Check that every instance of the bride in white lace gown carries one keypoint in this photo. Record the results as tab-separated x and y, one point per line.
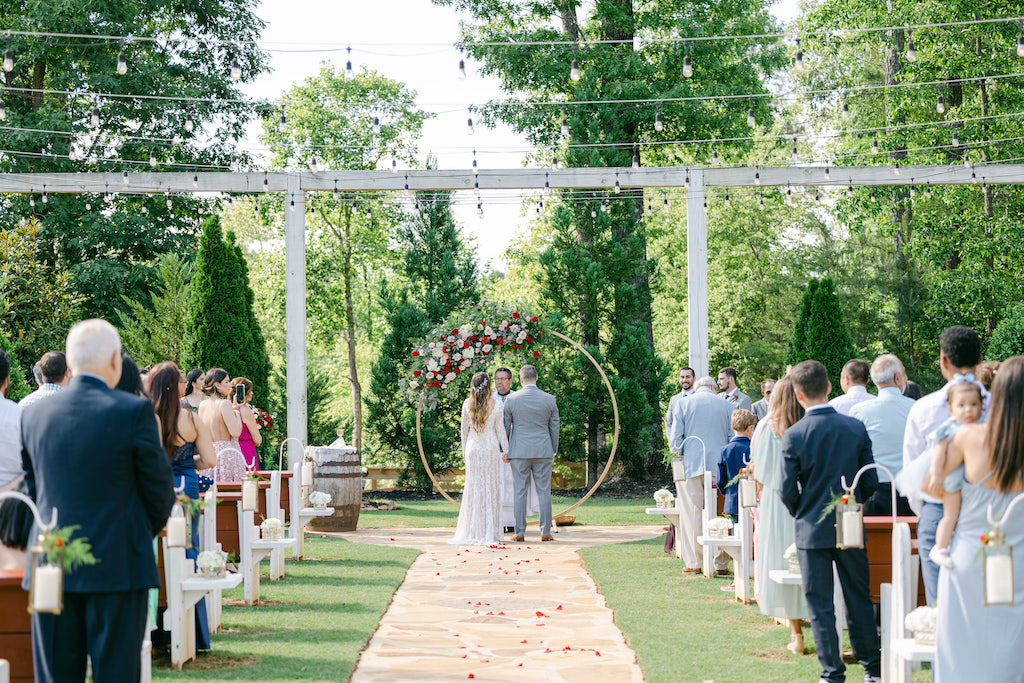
483	432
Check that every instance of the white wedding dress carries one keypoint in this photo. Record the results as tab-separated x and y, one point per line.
480	509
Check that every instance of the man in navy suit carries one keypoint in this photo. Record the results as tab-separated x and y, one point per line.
817	452
94	454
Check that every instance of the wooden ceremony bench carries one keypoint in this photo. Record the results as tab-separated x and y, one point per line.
15	627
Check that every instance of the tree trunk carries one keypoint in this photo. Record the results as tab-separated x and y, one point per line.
350	335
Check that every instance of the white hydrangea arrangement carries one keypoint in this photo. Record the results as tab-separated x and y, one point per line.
664	498
319	498
211	561
272	529
720	526
922	621
792	559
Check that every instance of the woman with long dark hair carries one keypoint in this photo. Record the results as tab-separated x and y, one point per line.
194	381
225	426
187	441
976	642
483	431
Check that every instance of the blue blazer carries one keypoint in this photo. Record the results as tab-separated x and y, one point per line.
94	453
817	451
734	456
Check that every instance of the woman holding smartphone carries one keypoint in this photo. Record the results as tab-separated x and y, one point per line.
225	426
250	437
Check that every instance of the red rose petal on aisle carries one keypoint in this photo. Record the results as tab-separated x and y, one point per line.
540	614
597	653
522	641
470	676
519	664
511	591
463	656
391	539
547	649
559	607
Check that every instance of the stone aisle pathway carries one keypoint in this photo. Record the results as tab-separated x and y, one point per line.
516	612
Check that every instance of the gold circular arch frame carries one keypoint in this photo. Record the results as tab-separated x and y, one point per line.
611	455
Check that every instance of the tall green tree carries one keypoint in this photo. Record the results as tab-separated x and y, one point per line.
439	277
57	81
346	124
597	273
798	344
220	312
827	339
19	387
157	332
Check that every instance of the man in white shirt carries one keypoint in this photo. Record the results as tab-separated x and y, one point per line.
727	379
854	381
959	353
686	379
760	409
886	419
53	367
503	389
11	472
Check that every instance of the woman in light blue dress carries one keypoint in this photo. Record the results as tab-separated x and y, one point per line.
776	530
975	642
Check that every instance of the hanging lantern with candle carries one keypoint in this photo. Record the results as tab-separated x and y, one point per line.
747	487
178	535
849	522
998	568
250	492
52	555
307	471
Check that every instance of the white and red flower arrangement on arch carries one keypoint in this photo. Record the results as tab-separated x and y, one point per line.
454	350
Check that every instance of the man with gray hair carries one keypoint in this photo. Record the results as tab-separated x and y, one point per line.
94	454
886	420
708	418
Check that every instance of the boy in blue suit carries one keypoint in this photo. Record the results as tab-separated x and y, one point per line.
734	457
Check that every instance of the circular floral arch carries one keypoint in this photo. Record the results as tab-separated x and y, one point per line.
468	342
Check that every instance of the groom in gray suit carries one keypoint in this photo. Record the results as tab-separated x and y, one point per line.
531	421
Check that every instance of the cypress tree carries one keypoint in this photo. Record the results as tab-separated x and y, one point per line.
19	388
256	361
828	341
220	317
798	345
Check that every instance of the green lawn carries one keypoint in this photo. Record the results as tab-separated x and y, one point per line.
441	513
310	626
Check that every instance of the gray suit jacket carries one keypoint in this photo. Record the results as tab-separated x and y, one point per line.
706	416
760	409
531	422
742	400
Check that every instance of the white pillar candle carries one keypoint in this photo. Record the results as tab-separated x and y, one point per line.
998	580
748	493
46	588
853	530
176	532
249	489
307	473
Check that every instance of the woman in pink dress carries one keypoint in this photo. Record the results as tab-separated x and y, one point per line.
250	437
225	427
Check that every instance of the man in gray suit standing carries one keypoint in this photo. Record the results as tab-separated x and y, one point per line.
531	421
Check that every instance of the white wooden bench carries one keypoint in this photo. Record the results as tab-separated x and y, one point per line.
208	541
788	578
300	514
738	545
252	551
901	654
184	590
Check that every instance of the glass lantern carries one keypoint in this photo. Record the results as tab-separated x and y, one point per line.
998	569
307	473
46	582
250	493
178	535
849	525
748	492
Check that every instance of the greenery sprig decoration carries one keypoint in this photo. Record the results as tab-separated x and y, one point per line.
190	505
61	550
838	499
744	473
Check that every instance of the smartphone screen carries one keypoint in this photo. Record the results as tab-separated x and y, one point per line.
239	394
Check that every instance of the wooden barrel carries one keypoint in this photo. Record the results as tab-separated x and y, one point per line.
340	475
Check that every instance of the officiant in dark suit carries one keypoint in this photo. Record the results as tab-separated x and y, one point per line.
817	452
94	454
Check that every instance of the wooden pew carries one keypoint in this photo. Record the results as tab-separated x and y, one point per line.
878	544
15	627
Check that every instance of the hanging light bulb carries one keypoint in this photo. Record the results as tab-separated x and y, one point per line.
617	189
714	156
687	67
167	196
195	181
761	199
152	159
636	158
565	125
8	60
874	145
476	170
757	177
817	197
846	111
828	176
940	105
913	190
369	213
1020	45
122	64
728	202
658	125
349	71
911	54
236	69
95	118
593	210
3	111
124	177
71	152
798	62
88	205
574	71
292	206
32	201
794	150
896	169
469	122
554	161
190	125
394	162
956	140
462	66
282	124
967	160
376	122
480	209
604	205
312	165
44	194
849	188
750	117
873	200
664	198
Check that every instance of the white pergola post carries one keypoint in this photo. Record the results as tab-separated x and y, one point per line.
697	272
295	313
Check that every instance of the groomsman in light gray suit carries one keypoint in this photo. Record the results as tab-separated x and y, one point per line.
531	421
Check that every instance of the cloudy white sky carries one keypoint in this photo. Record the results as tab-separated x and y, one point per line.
409	41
